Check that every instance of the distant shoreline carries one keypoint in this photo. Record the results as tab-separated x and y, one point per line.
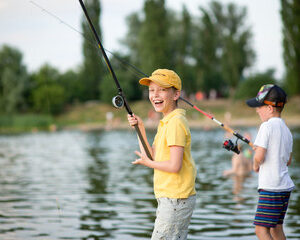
205	124
103	116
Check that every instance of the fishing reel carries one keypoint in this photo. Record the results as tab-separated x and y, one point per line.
230	146
118	101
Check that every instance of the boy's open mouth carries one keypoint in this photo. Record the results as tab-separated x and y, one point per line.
158	102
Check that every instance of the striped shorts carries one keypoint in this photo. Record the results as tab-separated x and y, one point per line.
271	208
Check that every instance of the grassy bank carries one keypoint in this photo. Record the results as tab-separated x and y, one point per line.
233	113
25	122
94	116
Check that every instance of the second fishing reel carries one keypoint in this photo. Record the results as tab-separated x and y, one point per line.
230	146
118	101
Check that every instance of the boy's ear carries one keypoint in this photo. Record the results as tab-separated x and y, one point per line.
272	109
177	95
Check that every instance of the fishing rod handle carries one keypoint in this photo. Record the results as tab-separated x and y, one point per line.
241	137
137	129
143	141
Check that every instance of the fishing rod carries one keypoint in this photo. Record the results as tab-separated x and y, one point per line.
228	144
120	100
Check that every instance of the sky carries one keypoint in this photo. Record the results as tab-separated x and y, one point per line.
42	38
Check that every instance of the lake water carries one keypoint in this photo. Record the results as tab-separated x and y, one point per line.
79	185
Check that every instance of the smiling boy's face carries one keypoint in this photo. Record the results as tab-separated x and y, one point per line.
163	99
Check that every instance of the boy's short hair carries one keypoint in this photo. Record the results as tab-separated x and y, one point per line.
163	77
269	94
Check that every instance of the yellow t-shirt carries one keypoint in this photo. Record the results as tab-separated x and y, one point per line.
174	130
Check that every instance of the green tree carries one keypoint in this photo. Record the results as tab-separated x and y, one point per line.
131	40
48	99
222	47
13	80
207	46
153	38
47	93
70	82
238	54
290	10
93	67
250	86
148	44
164	41
180	31
126	78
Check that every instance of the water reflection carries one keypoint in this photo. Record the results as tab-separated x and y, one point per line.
73	185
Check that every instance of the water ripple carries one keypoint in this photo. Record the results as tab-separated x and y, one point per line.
74	185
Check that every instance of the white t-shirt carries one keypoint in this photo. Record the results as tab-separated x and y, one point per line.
277	139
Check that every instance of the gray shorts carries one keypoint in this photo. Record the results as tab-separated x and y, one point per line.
173	218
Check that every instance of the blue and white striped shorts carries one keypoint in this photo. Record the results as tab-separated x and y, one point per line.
271	208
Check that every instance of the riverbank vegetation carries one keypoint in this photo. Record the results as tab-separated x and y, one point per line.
99	116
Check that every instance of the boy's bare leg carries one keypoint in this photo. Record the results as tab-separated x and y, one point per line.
277	232
263	233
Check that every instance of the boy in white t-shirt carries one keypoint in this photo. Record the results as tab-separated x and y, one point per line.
273	154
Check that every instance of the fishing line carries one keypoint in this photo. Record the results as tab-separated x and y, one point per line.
117	101
228	144
59	209
134	69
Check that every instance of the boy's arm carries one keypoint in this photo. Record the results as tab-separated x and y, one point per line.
173	165
259	157
290	160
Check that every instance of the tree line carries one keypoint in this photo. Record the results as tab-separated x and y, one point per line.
211	52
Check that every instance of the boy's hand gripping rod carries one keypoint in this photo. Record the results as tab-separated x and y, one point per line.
120	100
228	129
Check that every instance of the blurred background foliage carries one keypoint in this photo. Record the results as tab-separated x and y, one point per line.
211	52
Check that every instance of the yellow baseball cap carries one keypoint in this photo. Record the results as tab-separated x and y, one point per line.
163	77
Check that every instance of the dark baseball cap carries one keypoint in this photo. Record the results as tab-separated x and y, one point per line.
269	94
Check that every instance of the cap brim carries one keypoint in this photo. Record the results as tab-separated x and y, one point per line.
254	103
146	82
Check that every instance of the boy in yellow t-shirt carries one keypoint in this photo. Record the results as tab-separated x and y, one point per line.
174	167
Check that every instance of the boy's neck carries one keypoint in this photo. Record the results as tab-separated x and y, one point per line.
274	115
165	114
